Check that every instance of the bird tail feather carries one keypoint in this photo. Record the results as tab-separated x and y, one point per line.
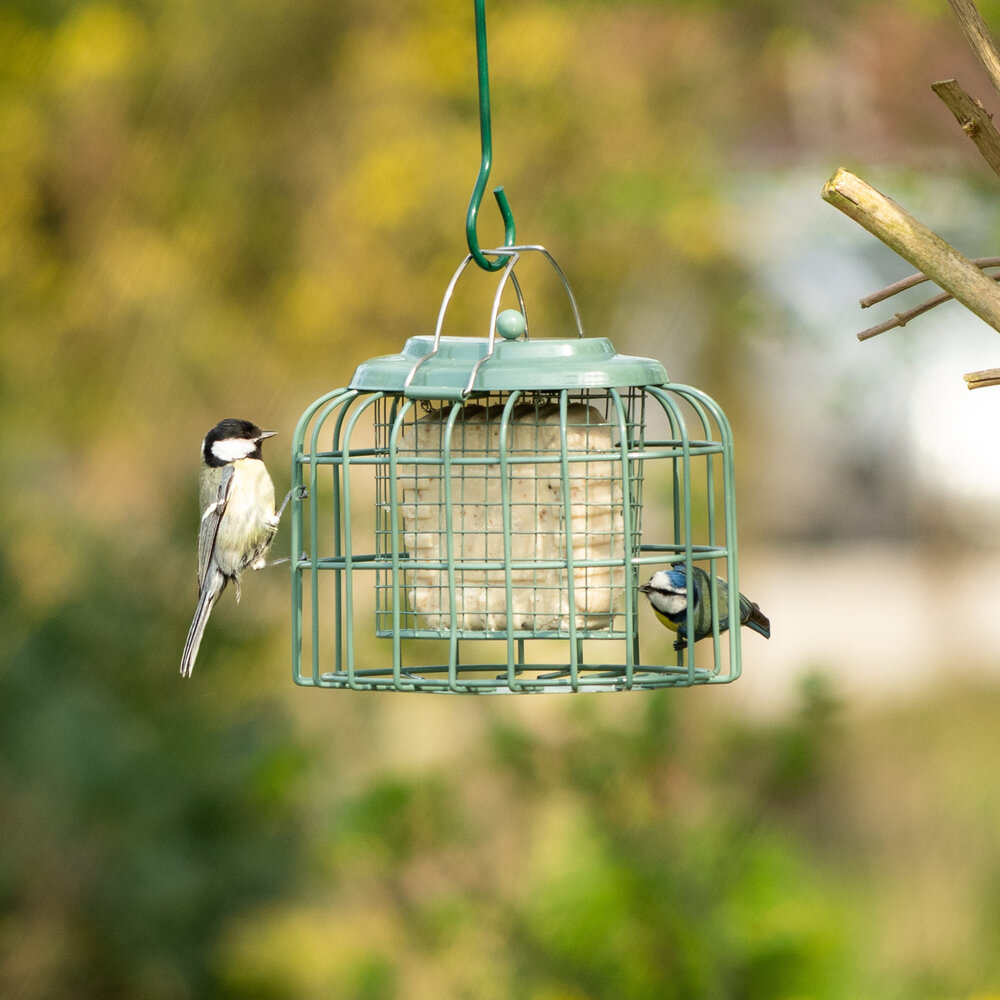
206	601
757	620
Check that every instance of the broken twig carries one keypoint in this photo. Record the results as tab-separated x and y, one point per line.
976	121
915	242
902	318
979	380
915	279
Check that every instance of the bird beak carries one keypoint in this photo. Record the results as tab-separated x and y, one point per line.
266	434
644	588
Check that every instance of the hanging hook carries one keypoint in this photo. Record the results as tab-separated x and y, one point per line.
487	147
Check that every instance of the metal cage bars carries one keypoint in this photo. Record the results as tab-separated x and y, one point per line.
505	462
685	454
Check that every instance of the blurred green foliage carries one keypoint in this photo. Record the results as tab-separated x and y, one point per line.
220	208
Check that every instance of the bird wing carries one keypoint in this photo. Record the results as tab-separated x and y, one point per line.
210	521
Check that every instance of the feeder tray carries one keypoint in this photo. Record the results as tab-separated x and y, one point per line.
478	512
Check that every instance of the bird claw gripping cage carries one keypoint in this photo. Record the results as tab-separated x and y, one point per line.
478	513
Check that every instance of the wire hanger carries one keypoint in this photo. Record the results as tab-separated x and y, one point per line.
486	136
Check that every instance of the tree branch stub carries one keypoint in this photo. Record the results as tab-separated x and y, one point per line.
976	121
916	243
979	380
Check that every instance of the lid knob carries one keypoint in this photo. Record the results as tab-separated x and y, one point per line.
511	324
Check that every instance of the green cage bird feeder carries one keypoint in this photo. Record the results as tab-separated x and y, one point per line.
481	511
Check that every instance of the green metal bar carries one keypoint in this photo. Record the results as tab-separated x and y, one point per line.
340	403
637	480
695	401
574	646
599	677
337	531
508	543
681	508
628	566
708	404
348	606
709	413
668	408
688	555
449	514
298	440
397	650
374	562
486	138
372	456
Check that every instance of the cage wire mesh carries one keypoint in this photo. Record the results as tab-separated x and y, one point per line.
483	528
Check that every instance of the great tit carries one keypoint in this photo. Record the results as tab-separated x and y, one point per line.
667	591
238	520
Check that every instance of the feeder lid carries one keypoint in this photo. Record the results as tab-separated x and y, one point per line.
577	363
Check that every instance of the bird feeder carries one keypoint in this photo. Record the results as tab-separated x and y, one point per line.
479	509
482	509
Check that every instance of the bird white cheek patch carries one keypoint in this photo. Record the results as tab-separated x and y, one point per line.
233	450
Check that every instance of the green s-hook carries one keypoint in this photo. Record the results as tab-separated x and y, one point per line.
487	157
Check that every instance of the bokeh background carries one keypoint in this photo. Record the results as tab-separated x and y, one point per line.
220	209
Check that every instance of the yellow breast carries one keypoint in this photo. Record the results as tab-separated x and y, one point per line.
664	620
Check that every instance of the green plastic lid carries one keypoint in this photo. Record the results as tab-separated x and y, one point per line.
577	363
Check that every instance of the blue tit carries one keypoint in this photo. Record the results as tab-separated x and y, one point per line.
238	521
667	591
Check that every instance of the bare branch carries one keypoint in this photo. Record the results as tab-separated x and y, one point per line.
913	241
915	279
979	380
978	36
902	318
976	121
